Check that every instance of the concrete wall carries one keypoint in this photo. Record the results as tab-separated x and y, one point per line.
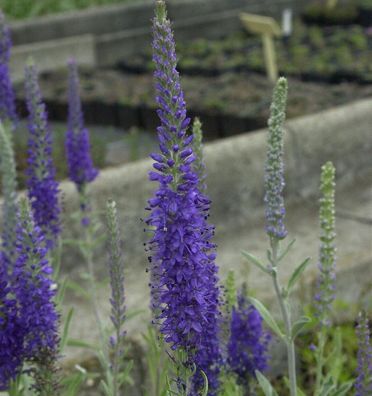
235	185
235	174
117	18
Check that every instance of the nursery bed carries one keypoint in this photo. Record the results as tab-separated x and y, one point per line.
227	104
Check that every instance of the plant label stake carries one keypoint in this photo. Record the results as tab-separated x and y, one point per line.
268	28
287	22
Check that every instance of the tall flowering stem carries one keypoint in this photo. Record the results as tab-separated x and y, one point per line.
363	383
183	273
42	186
7	97
117	300
327	262
9	187
274	168
275	211
327	251
79	160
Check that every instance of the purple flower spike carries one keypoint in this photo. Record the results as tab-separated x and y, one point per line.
363	383
185	295
248	343
11	333
34	289
7	98
42	186
80	165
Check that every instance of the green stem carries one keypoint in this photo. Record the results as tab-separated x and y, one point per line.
89	260
282	299
115	363
14	387
320	361
87	252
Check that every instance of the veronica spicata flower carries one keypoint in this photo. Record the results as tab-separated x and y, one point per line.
274	169
7	98
34	289
80	165
41	182
183	273
248	343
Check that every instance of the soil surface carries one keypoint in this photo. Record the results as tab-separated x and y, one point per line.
242	96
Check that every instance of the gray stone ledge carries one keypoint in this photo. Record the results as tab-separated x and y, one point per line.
235	175
50	55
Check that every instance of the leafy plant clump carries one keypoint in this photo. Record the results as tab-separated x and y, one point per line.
312	53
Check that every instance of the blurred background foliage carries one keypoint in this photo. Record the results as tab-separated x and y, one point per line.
18	9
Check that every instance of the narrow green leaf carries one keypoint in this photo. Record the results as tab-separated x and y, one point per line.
72	342
66	328
296	274
299	326
132	313
336	356
79	290
205	388
61	292
254	260
73	383
300	392
266	315
286	250
328	387
72	242
265	385
343	389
